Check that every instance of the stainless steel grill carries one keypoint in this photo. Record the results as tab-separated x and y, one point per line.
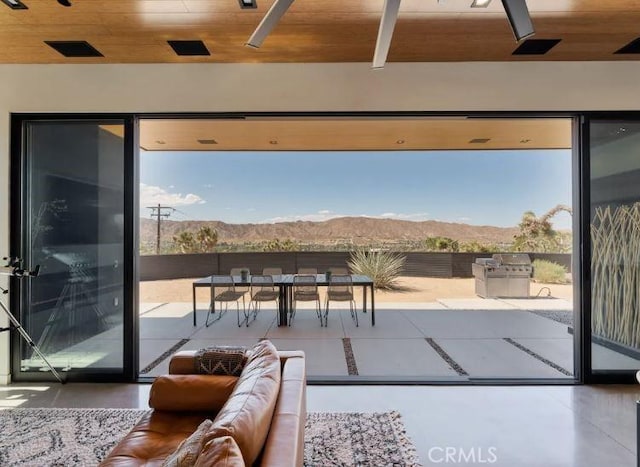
503	275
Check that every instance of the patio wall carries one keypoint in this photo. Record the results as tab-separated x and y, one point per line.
445	265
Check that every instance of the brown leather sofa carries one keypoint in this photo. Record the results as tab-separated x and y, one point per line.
258	417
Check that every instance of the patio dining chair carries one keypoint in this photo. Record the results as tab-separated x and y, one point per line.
237	272
262	290
272	271
305	289
338	271
223	290
340	289
313	271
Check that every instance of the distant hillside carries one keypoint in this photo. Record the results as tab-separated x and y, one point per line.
356	230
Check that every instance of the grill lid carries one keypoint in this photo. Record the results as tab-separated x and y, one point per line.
488	262
512	259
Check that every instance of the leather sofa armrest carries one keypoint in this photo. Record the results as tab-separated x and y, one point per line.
285	444
183	363
285	354
185	393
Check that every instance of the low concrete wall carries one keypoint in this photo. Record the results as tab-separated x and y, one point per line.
446	265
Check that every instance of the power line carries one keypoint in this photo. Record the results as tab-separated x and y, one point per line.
160	212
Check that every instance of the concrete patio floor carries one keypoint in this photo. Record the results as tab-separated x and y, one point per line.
450	339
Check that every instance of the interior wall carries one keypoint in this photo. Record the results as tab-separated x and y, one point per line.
476	86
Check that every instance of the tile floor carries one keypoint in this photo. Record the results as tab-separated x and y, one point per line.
541	426
442	340
473	339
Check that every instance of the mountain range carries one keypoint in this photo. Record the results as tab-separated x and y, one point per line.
355	230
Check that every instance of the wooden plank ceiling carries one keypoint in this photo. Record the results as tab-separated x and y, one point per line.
136	31
277	134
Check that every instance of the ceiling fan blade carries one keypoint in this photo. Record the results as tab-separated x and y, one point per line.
519	18
385	33
277	10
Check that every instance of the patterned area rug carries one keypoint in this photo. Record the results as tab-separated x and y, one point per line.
83	437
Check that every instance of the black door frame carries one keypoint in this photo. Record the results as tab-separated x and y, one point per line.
591	376
130	272
581	218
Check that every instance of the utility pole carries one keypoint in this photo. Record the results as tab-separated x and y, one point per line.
159	212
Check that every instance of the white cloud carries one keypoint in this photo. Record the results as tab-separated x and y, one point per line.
464	219
171	187
414	216
324	211
150	195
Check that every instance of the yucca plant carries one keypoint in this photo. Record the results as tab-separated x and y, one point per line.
383	267
615	274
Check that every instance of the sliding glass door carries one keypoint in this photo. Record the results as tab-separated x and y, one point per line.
75	222
615	245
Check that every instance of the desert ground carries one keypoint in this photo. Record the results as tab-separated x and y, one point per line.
410	290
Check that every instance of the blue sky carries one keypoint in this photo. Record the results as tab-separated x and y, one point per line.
474	187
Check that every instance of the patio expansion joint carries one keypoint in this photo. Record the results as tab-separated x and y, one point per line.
154	308
352	368
166	354
537	356
446	357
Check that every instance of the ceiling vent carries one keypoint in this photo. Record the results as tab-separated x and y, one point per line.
189	48
536	46
74	48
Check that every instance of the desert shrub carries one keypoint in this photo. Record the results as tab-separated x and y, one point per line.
477	247
549	272
383	267
441	244
280	245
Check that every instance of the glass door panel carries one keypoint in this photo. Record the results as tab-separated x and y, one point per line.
73	192
615	244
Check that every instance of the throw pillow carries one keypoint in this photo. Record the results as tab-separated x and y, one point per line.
220	360
221	452
187	452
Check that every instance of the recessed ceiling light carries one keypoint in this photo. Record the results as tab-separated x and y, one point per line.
159	141
15	4
207	141
273	141
64	2
400	141
248	3
479	140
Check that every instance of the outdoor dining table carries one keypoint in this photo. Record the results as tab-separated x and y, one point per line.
284	282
